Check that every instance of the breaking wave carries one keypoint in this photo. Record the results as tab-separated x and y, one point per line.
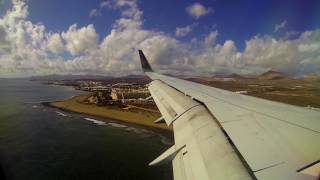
117	125
61	114
95	121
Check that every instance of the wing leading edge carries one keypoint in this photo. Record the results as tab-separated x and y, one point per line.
266	139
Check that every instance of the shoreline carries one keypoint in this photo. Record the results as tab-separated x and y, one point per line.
135	117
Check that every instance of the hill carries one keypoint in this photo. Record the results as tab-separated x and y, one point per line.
57	77
271	75
311	78
235	76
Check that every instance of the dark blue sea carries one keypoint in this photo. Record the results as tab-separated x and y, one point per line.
39	142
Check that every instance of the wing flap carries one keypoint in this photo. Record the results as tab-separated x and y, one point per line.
207	154
258	149
171	103
181	171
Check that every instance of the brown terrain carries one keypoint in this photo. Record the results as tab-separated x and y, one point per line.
271	85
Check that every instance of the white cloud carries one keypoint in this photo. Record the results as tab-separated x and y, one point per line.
26	49
309	47
126	23
197	10
104	4
290	34
129	8
5	44
183	31
80	41
18	11
211	38
288	56
94	12
282	25
55	44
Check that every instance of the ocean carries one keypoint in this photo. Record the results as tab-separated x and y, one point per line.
39	142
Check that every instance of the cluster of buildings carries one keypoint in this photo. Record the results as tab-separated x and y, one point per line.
117	93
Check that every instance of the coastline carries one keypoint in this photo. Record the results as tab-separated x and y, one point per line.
134	116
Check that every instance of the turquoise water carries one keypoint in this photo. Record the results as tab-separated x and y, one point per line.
39	142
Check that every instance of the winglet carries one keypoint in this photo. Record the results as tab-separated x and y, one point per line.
144	62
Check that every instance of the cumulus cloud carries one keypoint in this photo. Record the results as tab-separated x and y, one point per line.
27	49
129	8
183	31
197	10
4	42
55	44
296	56
282	25
80	41
211	38
18	11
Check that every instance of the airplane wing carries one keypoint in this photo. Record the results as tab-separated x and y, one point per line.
224	135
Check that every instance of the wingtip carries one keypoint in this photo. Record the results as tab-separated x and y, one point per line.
144	62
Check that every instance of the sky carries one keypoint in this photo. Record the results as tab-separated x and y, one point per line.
101	37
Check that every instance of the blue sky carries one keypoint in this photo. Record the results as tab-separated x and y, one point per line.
102	36
235	20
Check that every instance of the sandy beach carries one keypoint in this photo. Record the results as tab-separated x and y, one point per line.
134	116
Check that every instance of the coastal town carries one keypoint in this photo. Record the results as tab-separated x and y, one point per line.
125	99
134	94
132	91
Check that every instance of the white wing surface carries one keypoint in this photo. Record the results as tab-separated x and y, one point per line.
224	135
